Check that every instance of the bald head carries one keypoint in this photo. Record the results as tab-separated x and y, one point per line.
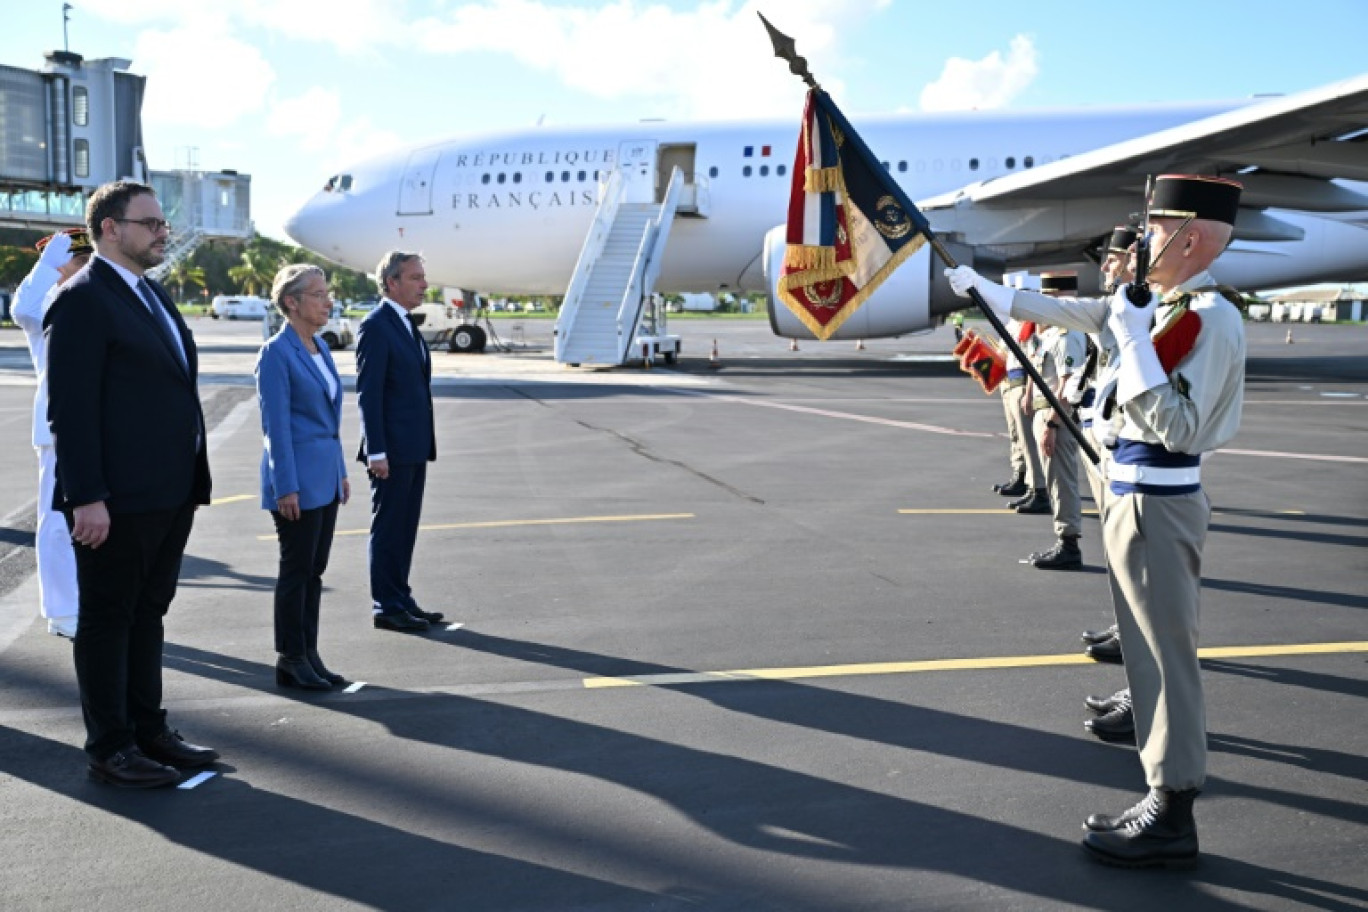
1181	250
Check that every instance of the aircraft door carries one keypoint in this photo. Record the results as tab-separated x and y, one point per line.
415	188
637	161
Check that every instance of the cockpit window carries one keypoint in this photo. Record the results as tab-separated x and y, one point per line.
346	183
331	185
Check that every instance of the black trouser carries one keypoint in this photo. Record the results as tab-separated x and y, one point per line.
126	586
304	547
396	511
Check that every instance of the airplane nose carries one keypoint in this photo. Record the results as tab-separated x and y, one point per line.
305	226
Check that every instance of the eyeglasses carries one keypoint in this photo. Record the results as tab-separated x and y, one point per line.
154	225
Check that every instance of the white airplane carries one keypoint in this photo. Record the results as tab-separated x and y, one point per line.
508	212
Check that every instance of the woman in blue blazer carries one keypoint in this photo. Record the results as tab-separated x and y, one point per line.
303	473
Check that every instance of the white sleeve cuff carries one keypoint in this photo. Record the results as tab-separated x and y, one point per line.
1140	371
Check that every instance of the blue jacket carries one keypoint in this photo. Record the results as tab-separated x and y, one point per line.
300	425
394	390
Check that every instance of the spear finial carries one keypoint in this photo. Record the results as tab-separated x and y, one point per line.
786	48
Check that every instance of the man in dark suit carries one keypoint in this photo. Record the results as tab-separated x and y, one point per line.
398	440
131	467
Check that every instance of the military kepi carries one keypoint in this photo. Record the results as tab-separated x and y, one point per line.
1059	282
1122	237
1195	196
80	241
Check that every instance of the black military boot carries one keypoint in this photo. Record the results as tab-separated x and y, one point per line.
1157	832
1117	725
1037	500
1097	636
1106	651
1014	488
1100	706
1065	555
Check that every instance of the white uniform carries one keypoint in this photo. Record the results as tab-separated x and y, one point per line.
1156	517
57	590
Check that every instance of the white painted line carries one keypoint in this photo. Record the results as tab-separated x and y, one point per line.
1341	395
197	780
1314	457
456	626
354	686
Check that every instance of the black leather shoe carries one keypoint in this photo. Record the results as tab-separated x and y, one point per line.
1100	706
129	768
401	621
1014	488
1159	832
296	671
432	617
1096	636
173	750
1065	555
1036	501
1106	651
1116	726
316	662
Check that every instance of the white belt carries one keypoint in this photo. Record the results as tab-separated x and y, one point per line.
1154	475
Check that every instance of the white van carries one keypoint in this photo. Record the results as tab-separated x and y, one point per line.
239	307
337	333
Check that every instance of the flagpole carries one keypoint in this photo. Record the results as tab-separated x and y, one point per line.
786	49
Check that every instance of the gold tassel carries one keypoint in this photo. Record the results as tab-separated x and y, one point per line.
823	180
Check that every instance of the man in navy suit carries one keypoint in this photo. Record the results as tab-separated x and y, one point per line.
131	467
398	440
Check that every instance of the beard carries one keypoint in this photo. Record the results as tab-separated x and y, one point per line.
153	254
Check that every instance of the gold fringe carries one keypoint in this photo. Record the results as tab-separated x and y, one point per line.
825	332
806	256
823	180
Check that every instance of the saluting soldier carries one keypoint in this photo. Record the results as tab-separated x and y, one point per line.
1062	352
1177	393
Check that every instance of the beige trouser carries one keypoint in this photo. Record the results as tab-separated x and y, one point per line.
1025	454
1061	476
1154	551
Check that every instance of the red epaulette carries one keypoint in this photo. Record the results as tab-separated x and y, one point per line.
1174	342
1027	330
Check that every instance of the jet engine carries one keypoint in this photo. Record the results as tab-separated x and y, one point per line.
913	299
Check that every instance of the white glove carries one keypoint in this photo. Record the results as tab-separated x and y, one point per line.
1140	369
998	297
56	253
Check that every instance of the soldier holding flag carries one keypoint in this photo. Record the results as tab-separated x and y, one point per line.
1174	393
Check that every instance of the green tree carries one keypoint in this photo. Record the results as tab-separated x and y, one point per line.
185	273
257	269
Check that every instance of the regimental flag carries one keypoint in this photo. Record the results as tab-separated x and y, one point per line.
849	224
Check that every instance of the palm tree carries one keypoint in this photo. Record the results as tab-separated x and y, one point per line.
257	270
185	273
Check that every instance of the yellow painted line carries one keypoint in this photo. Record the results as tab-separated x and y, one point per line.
1000	511
220	501
506	523
994	662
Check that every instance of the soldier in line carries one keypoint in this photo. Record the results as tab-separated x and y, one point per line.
1061	354
1027	474
1176	393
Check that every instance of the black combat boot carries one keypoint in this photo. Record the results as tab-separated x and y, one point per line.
1157	832
1100	706
1117	725
1096	636
1014	488
1036	500
1065	555
1106	651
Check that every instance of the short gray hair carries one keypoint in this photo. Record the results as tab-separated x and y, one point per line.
391	265
290	281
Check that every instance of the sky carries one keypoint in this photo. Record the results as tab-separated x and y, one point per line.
291	91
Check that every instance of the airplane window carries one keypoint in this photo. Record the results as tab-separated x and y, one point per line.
780	170
1010	162
550	176
902	166
501	177
954	164
581	175
565	176
937	165
1028	161
484	178
517	178
346	181
746	171
973	164
712	172
764	170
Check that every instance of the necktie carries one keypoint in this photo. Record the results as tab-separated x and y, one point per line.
417	336
163	319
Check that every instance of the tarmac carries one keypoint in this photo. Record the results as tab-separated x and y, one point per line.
740	635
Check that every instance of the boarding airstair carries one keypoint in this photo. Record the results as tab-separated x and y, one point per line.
601	317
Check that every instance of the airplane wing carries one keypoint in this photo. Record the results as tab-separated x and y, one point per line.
1290	152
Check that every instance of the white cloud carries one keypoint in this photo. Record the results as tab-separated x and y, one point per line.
311	117
988	83
199	75
348	25
710	61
